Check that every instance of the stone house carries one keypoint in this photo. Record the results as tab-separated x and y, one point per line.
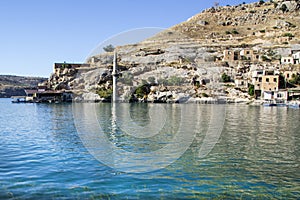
296	56
287	60
280	96
270	83
250	54
241	82
257	81
230	55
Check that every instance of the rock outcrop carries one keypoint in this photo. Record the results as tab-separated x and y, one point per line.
185	63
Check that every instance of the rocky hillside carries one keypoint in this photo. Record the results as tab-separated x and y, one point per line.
187	60
14	85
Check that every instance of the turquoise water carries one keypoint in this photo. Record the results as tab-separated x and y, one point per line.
255	156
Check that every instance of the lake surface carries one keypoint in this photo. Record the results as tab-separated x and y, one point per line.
51	151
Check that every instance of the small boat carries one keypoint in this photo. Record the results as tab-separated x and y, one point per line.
18	99
294	104
269	103
280	103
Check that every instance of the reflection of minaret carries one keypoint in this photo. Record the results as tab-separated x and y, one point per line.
115	76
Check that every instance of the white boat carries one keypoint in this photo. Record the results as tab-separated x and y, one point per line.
18	99
294	104
269	103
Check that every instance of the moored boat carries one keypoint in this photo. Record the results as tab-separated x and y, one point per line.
294	104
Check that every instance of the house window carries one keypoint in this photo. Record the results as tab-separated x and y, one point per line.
247	52
275	79
288	75
260	79
267	79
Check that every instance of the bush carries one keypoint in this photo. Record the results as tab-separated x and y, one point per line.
105	93
142	90
205	95
151	79
295	79
109	48
288	35
234	31
251	90
225	78
126	78
265	59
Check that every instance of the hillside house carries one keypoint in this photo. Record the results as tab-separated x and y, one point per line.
296	56
287	60
241	81
270	83
230	55
280	96
250	54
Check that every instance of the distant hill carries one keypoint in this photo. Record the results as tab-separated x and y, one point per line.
14	85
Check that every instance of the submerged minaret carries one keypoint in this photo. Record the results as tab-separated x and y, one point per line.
115	76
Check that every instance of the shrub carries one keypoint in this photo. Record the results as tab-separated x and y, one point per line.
234	31
295	79
265	59
142	90
288	35
109	48
151	79
251	90
205	95
225	78
105	93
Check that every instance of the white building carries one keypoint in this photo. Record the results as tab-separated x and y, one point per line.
287	60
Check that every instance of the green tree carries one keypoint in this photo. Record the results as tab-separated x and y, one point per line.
105	93
295	79
251	90
142	90
225	78
109	48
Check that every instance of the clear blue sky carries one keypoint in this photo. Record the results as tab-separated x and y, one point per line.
37	33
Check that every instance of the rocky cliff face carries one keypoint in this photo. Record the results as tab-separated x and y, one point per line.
14	85
185	62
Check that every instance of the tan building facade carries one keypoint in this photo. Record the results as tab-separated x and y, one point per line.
270	83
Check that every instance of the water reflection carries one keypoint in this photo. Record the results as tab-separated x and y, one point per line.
256	156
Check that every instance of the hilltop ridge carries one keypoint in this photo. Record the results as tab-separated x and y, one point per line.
187	61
